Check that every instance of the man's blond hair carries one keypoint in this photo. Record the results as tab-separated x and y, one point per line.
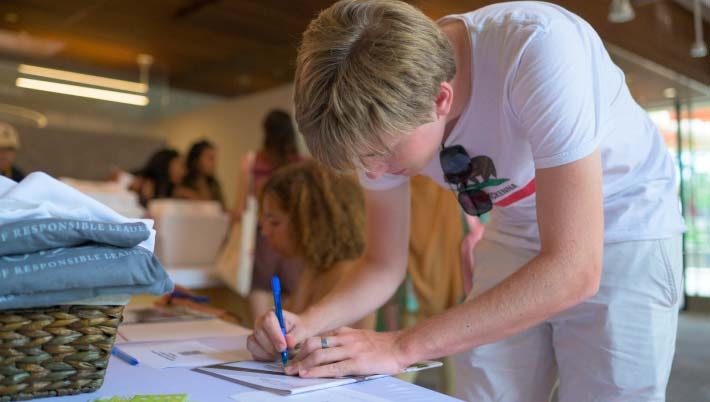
367	71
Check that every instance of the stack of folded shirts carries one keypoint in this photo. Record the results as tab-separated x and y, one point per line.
58	246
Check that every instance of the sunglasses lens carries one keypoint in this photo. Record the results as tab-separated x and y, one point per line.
456	164
475	202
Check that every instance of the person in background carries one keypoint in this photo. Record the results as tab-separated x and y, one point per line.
9	144
314	216
200	182
164	171
278	149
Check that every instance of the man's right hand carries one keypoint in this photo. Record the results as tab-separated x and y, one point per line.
267	340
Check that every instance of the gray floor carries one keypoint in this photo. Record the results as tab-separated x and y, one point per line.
690	377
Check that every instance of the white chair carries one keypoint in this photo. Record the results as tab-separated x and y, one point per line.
189	236
114	195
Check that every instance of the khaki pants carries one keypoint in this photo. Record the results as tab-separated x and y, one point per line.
616	346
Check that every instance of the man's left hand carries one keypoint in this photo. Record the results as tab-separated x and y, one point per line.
349	352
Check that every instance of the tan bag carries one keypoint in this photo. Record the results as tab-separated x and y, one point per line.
235	261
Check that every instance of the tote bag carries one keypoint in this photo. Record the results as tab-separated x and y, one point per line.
235	261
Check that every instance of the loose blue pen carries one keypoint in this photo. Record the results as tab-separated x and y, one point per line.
276	289
124	356
197	299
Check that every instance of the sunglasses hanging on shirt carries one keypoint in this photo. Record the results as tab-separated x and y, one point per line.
457	168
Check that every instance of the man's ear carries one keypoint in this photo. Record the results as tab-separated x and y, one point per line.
444	100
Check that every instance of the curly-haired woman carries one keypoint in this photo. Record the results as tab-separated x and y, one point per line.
318	217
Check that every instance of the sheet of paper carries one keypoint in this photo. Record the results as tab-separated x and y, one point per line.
341	394
277	382
180	330
179	354
269	376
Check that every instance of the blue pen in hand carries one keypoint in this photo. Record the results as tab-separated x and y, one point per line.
124	356
276	289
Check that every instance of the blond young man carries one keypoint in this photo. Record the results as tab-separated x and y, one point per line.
516	107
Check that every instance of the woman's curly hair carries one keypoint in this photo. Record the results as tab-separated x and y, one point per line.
326	212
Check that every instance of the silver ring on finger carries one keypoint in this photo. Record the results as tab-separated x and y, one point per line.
324	342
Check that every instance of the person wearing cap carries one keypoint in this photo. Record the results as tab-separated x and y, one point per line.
9	144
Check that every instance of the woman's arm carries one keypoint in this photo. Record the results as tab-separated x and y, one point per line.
243	186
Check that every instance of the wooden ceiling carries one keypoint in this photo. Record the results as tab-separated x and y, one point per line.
234	47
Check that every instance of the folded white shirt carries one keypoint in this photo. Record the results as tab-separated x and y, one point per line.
5	184
41	196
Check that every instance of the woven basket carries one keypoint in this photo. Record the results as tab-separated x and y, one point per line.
54	351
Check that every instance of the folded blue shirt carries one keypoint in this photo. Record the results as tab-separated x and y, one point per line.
34	235
55	276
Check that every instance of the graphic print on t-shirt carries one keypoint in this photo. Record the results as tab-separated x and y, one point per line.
482	170
484	174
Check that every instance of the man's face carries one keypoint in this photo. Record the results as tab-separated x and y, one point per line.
416	149
410	154
7	157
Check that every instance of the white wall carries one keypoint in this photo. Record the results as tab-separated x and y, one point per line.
233	126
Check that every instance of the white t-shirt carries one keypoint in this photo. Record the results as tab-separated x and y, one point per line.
545	93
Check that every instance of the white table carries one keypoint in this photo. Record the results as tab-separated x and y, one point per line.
124	379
